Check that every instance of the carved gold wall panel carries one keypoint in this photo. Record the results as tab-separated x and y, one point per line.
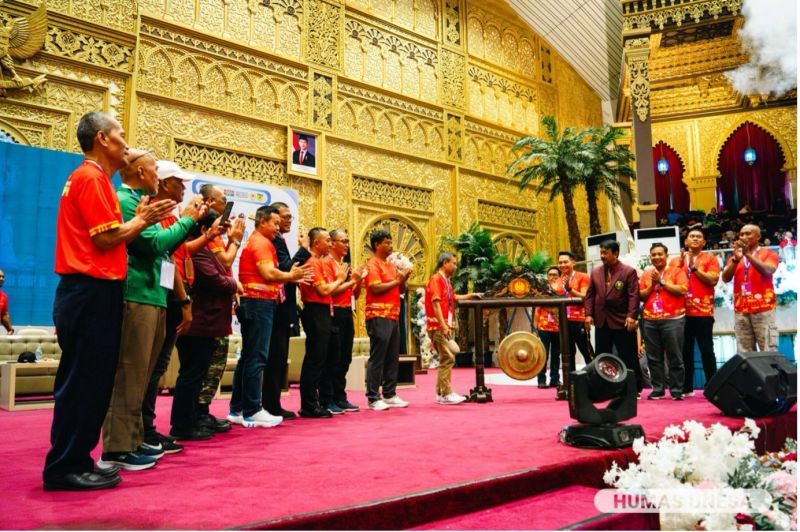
158	122
188	75
89	49
574	109
506	215
325	26
379	192
499	41
60	135
116	14
395	62
275	26
418	16
514	246
27	132
500	100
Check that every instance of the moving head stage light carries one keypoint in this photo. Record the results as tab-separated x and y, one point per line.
604	379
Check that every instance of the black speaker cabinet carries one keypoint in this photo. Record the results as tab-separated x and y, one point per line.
754	385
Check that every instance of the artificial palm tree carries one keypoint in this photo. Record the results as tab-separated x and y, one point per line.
558	162
608	163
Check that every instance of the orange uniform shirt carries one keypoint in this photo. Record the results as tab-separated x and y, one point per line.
258	250
183	261
342	299
439	290
323	273
387	304
700	296
89	206
752	291
660	304
577	281
546	319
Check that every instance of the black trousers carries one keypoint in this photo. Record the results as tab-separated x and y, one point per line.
275	370
87	313
701	329
174	318
606	339
384	357
194	352
552	352
317	322
578	341
340	355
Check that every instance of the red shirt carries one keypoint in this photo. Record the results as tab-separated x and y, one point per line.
577	281
3	303
439	289
343	299
322	271
546	319
700	296
753	292
387	304
660	304
257	251
89	206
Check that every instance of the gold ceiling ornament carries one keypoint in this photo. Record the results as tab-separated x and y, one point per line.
21	39
641	15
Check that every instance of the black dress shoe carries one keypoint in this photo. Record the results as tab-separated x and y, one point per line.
108	471
210	423
317	412
286	414
81	482
191	434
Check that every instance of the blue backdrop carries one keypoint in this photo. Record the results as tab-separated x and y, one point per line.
31	180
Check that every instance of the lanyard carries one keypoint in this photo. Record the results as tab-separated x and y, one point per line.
449	290
97	165
658	286
747	264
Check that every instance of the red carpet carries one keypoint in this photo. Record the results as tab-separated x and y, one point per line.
361	468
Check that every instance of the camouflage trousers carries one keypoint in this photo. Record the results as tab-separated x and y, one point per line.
215	370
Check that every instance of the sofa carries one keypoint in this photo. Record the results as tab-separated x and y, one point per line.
33	379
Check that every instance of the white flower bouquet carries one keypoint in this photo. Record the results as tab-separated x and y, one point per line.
400	261
693	461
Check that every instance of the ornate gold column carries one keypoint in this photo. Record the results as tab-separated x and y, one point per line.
637	56
703	191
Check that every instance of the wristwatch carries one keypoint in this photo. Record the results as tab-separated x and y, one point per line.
234	241
187	301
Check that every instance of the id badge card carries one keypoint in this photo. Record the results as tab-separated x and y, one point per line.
658	307
352	302
746	289
167	279
551	318
450	319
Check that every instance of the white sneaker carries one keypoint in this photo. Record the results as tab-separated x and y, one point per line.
235	417
438	398
395	402
452	399
262	418
377	405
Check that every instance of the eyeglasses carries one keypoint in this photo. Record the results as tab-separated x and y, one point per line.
343	240
131	161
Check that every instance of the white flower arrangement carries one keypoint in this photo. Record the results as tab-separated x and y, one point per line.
430	358
693	457
400	261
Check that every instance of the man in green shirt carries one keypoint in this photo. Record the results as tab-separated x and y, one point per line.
151	274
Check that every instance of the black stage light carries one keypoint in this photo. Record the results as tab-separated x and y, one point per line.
604	379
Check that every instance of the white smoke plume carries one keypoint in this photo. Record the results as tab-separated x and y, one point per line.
769	35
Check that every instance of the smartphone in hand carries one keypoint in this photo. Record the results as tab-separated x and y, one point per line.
226	214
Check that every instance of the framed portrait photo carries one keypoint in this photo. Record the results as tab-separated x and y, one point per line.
304	152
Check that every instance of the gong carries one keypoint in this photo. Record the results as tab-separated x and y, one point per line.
521	355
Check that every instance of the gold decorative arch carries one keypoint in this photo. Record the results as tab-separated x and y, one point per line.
14	133
785	149
406	239
512	245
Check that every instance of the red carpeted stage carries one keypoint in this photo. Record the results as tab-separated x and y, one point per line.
469	466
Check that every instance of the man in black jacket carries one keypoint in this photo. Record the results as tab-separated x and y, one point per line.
285	320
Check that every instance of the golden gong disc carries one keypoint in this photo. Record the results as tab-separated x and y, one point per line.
521	355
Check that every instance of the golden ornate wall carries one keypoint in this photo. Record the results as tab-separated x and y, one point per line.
415	102
699	141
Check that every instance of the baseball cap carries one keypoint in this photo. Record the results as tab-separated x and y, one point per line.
167	169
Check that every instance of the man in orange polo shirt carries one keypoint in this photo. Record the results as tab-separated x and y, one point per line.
440	309
317	319
263	288
702	270
751	267
384	286
545	319
663	289
574	284
92	262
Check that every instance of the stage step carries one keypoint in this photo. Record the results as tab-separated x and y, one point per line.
569	508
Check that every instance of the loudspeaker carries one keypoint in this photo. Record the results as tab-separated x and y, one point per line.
754	385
